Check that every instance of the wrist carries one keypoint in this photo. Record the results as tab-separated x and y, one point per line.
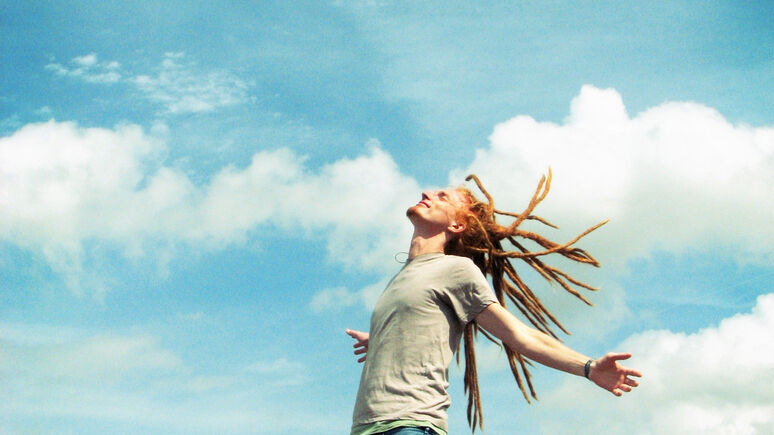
587	369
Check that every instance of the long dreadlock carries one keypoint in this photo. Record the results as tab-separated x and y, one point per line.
482	241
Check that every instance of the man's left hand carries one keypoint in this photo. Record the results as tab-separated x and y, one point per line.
613	377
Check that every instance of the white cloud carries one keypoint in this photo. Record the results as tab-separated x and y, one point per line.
192	318
120	378
10	123
332	299
89	69
278	373
181	89
96	359
713	381
41	356
33	335
86	61
675	177
44	111
58	69
62	185
279	365
177	86
357	205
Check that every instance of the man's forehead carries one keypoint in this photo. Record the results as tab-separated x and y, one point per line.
456	194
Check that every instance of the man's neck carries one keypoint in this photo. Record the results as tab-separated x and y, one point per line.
424	244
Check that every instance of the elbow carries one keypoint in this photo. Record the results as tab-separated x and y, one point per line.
520	340
525	342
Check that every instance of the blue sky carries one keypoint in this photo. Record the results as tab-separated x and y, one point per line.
197	199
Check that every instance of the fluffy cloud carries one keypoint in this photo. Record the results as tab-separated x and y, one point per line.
713	381
57	178
675	177
62	186
358	204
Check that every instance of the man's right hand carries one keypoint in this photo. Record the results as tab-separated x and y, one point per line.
361	345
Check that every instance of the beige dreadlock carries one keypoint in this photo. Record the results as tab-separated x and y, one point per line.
482	241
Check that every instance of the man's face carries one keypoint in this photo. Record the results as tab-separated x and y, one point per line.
437	209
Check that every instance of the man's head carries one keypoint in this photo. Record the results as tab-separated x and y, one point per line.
440	211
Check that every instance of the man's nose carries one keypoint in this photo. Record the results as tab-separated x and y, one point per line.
427	194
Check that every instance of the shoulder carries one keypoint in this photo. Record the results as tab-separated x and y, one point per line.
462	266
462	262
466	286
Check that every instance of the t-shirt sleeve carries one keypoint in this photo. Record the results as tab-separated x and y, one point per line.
468	291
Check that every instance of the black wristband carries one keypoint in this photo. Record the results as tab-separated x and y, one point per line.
587	368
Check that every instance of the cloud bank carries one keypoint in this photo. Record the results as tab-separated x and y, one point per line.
713	381
52	372
63	187
677	177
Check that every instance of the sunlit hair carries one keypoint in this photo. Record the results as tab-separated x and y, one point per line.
482	241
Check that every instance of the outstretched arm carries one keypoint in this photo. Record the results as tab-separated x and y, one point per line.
606	372
361	345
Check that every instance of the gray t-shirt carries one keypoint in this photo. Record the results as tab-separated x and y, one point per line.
415	329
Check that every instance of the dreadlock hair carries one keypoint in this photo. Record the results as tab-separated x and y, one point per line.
482	241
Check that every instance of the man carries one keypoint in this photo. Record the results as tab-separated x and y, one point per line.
436	298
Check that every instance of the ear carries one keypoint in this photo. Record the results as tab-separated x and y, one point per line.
456	227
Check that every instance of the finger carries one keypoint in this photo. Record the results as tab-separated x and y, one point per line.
632	372
360	344
618	356
357	335
631	382
625	388
616	392
361	359
359	351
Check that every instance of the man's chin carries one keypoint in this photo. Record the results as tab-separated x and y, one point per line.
413	214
